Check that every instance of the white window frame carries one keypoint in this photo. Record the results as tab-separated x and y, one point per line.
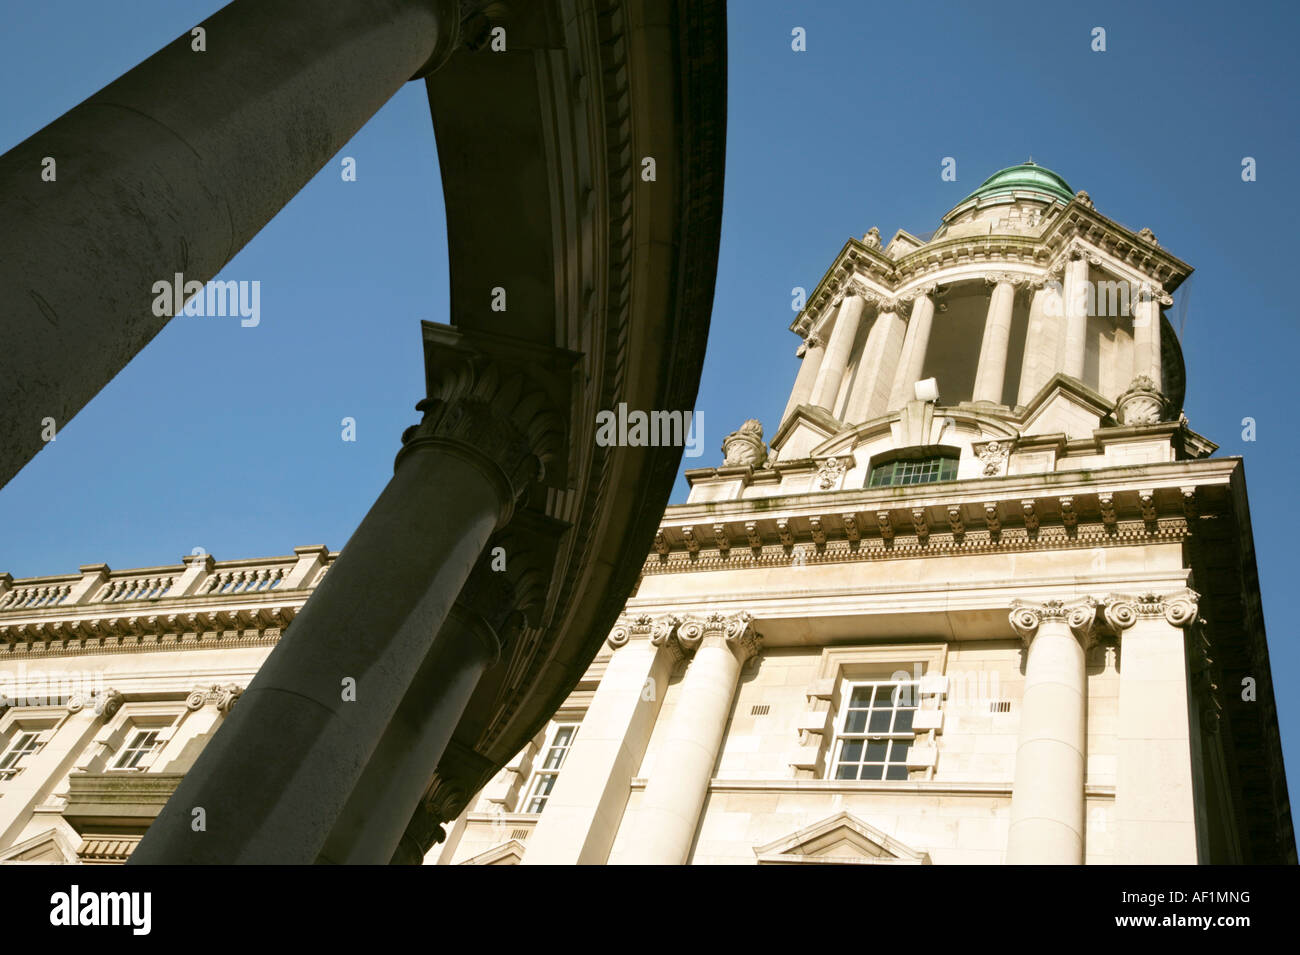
32	740
131	721
867	735
543	772
132	745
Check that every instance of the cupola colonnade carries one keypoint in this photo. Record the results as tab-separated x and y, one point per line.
988	336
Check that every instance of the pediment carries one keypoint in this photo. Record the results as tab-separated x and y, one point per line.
1066	406
508	853
842	839
51	847
804	429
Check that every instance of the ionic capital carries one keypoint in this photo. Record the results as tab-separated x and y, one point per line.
222	697
657	630
1151	292
735	630
1003	278
104	702
1079	615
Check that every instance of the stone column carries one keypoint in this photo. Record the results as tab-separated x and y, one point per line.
1155	798
669	813
1075	324
586	806
170	170
1047	806
915	343
812	351
1039	363
840	346
274	779
991	373
1146	333
486	617
878	365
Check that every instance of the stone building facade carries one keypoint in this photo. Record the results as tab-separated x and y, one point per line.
983	597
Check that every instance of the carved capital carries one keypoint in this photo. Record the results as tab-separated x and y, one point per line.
1181	608
104	702
1079	615
735	630
500	403
222	697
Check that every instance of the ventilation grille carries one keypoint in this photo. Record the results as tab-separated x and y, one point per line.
760	709
520	834
1000	706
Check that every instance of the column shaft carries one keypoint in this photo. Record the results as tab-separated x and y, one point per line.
813	353
912	361
1040	344
372	822
1074	337
991	373
1047	806
1146	339
586	806
295	738
1155	799
877	367
173	168
669	814
836	361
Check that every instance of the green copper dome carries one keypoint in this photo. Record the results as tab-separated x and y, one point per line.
1026	177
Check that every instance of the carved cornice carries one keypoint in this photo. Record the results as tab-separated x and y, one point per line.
215	627
888	544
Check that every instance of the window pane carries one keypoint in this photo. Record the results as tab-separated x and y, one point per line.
861	696
855	721
897	771
876	750
852	751
872	771
880	721
903	721
898	754
849	771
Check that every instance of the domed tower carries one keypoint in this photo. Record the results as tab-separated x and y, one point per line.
985	598
1026	313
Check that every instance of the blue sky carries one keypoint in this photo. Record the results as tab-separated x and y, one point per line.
228	438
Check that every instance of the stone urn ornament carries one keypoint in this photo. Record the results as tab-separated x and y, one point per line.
744	447
1142	403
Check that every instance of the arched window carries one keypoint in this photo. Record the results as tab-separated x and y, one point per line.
919	465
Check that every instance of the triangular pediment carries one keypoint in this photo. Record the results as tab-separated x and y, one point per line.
805	428
50	847
842	839
1066	406
508	853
